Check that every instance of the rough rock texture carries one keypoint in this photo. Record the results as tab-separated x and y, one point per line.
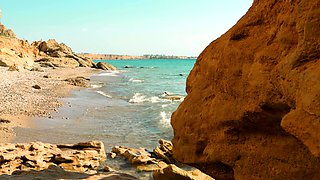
81	157
253	104
164	151
15	52
172	172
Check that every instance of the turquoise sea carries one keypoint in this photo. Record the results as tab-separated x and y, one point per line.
125	107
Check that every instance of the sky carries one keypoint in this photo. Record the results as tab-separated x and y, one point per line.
132	27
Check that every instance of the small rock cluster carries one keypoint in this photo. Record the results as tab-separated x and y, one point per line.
81	157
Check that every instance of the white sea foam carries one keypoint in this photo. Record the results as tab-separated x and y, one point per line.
155	99
140	98
109	73
164	119
104	94
137	98
135	80
95	86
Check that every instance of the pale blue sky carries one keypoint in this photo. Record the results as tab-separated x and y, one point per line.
135	27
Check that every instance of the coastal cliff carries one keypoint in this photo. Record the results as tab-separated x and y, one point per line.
253	104
19	54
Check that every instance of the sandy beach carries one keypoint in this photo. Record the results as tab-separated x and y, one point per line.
21	99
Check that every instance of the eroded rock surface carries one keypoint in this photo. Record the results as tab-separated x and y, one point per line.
82	157
253	104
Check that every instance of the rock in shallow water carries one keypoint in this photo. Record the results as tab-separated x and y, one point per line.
82	157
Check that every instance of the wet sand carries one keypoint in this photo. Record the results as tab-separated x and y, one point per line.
20	101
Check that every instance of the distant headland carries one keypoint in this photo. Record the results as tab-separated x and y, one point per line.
128	57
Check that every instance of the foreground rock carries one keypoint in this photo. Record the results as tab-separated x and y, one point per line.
82	157
253	104
172	172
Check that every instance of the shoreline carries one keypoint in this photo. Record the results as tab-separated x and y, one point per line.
20	101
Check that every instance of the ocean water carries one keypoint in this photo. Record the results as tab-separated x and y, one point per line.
125	107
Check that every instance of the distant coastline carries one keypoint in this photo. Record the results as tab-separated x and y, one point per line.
129	57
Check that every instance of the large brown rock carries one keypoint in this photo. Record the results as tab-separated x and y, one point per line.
253	104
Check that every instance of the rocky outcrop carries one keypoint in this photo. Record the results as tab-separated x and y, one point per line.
253	104
6	32
54	54
15	52
82	157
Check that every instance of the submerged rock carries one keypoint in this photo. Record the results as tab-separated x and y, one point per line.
81	157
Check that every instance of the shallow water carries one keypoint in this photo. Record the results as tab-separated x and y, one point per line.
126	107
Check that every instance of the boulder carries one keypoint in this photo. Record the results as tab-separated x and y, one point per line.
105	66
82	157
253	104
172	172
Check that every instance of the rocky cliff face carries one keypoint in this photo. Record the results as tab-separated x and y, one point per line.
253	104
